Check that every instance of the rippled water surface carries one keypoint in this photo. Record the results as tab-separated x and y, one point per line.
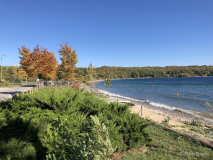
161	92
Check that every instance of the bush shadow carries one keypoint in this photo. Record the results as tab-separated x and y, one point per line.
19	140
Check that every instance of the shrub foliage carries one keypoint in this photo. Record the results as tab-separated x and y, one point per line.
67	124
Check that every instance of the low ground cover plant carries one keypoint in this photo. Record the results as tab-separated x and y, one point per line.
67	124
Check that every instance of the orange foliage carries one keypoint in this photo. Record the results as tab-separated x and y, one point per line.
21	73
39	62
69	59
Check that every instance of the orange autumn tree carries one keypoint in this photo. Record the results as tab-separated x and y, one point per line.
48	69
69	59
40	62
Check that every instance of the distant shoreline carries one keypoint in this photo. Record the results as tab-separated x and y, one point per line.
153	77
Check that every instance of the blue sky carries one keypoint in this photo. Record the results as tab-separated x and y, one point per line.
123	33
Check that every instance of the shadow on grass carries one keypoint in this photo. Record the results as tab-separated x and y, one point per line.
19	140
13	93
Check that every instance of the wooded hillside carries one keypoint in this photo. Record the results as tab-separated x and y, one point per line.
154	72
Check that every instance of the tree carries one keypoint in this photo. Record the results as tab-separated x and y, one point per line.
48	70
5	74
79	76
15	70
59	73
91	73
12	78
10	70
17	80
40	62
22	74
108	81
69	59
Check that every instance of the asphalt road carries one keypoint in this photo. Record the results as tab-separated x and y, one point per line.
8	92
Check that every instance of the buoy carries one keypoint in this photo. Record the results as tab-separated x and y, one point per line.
120	86
185	84
177	94
152	85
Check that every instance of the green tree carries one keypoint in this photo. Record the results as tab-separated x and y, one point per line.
17	80
5	74
108	81
10	70
12	78
59	73
91	74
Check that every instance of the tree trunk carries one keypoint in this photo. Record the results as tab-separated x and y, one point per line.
37	82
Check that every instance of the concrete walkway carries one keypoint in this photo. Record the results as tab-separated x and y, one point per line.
8	92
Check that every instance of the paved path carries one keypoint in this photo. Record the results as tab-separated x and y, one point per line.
8	92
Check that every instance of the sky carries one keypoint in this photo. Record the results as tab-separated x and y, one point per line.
126	33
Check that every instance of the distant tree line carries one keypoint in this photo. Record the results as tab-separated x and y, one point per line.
13	74
152	72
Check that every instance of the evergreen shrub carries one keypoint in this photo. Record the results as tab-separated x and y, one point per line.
17	80
67	124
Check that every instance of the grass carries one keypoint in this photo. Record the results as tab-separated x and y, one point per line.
197	130
10	86
24	83
28	83
168	145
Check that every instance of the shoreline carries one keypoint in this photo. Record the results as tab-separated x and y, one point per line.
179	122
176	115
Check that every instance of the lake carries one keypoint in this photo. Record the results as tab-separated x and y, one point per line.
193	92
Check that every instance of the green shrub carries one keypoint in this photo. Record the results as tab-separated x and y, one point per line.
67	124
196	122
17	80
93	145
6	83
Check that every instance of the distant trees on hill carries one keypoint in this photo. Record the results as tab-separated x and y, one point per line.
11	73
154	72
85	75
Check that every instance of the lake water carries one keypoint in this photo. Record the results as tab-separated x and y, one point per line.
161	92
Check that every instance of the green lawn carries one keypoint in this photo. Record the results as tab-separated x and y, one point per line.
24	83
168	146
28	83
10	86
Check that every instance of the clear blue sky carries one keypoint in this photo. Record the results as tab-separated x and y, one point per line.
123	33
